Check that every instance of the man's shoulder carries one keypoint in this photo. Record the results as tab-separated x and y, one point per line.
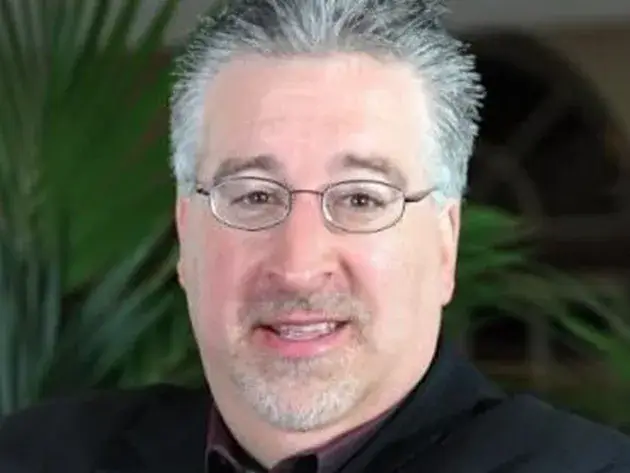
541	421
83	423
97	408
525	434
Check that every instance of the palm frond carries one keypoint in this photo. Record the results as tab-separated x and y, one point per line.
77	295
82	98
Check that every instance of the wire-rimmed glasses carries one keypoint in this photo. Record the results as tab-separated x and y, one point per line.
353	206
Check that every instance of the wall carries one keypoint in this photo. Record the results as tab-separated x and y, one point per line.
602	54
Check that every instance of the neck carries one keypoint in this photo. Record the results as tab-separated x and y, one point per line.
270	445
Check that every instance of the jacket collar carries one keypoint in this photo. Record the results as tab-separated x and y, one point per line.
169	434
451	390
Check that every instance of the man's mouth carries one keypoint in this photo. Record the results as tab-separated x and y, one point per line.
304	331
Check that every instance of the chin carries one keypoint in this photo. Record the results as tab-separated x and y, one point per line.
303	408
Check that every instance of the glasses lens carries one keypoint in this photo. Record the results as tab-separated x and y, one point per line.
363	206
250	203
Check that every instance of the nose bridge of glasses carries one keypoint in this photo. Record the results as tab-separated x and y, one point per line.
293	193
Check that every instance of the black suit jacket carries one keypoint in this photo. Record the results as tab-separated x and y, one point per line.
455	421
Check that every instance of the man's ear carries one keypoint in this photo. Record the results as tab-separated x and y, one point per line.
182	208
450	221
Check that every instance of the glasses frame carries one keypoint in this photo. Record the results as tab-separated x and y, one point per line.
208	192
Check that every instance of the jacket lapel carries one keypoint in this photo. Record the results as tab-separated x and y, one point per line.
451	391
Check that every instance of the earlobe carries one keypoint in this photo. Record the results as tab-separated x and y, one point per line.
181	223
181	215
454	218
180	272
450	229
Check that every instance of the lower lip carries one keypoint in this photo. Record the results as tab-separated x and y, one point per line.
270	340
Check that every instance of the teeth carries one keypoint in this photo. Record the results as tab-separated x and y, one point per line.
305	332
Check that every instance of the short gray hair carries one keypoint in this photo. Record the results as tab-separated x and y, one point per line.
410	31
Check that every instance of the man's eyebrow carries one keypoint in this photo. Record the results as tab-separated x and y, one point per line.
236	165
378	164
381	165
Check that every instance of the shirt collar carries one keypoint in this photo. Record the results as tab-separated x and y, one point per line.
223	449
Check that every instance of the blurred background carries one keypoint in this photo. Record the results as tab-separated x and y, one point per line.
88	296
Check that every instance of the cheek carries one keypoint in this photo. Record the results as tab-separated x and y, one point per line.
220	263
400	277
398	270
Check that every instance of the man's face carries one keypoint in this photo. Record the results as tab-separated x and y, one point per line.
263	303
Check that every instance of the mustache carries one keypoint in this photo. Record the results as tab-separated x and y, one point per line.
336	306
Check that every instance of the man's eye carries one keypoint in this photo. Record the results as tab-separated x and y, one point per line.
257	198
362	200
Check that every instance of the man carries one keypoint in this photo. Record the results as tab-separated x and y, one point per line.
320	149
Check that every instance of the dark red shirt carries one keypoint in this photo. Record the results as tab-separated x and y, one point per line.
224	454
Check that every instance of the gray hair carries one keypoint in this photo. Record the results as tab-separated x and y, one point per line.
410	31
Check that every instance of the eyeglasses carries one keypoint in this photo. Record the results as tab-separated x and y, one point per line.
356	206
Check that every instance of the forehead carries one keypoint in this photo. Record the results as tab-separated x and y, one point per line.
308	113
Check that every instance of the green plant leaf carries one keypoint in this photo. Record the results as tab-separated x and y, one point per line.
78	164
82	103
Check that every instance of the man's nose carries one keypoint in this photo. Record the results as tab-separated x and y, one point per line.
304	256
